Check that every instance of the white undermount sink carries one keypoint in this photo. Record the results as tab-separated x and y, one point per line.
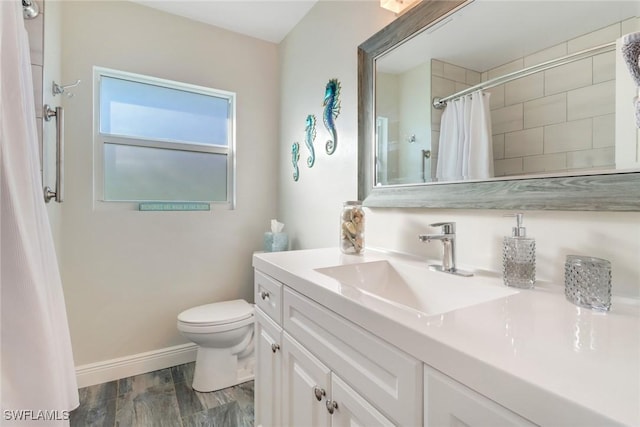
411	286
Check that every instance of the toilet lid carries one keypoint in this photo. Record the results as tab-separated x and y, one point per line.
217	313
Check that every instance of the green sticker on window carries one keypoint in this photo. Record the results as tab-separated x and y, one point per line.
174	206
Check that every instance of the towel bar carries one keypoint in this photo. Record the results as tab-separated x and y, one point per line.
58	194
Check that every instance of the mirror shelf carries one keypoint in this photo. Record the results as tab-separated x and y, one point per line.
613	190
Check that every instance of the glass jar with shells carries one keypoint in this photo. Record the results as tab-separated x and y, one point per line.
352	228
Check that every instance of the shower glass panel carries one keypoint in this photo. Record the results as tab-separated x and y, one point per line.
135	173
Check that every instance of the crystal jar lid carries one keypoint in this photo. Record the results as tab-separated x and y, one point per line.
582	259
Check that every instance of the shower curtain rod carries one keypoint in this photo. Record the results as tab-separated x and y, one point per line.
30	9
440	103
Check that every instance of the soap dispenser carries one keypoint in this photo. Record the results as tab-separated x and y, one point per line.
519	257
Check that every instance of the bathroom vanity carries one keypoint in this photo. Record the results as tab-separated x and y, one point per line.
379	339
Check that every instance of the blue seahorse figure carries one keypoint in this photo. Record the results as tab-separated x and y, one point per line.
331	113
295	156
309	137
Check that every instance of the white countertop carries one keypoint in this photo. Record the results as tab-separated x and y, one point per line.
534	352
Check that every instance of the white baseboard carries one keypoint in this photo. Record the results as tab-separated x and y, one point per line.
122	367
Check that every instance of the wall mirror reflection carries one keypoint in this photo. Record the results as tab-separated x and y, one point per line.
556	96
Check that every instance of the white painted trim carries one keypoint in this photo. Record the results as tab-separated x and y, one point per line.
122	367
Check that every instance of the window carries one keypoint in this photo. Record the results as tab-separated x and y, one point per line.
160	140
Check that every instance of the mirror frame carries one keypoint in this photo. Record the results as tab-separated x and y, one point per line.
616	191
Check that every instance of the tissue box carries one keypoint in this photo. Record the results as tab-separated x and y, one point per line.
276	242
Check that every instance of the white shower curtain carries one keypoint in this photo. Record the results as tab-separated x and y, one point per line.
38	376
465	148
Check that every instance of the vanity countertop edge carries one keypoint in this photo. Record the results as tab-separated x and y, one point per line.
562	359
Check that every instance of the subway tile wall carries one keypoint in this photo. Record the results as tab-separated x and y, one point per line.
558	120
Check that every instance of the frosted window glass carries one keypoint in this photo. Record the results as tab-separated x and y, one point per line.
140	173
147	111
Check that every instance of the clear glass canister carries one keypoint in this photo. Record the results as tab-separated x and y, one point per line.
587	282
352	228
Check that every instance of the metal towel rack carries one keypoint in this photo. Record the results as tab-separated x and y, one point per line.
57	89
440	103
58	194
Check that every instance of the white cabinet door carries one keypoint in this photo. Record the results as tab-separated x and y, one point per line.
268	378
448	403
306	383
352	409
314	396
385	376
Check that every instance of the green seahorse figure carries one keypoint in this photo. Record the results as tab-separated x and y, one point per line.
331	113
295	156
309	137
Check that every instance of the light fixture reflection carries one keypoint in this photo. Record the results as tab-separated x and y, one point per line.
398	6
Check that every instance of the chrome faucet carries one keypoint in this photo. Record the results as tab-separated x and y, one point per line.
448	238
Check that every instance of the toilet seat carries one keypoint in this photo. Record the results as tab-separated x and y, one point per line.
196	328
216	317
218	313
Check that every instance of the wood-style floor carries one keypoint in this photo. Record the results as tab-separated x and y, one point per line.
163	398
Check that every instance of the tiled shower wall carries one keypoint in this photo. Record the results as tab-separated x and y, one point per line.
558	120
35	30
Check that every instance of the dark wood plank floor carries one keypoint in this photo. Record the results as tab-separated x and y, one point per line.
163	398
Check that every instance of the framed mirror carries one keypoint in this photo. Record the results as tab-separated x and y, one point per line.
560	131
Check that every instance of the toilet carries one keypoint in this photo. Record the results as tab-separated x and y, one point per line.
224	334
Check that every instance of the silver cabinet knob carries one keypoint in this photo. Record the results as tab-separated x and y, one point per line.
319	393
275	347
332	405
264	295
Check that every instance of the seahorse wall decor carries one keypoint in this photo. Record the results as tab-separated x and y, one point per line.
309	137
295	156
331	113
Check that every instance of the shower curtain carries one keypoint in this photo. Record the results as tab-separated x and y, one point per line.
465	148
38	377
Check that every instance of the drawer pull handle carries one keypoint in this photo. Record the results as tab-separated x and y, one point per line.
275	347
319	393
332	405
264	295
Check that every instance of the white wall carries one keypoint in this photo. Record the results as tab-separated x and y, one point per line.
613	236
322	46
127	274
396	99
310	207
387	107
416	120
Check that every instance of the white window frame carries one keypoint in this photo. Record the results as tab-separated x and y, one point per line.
100	139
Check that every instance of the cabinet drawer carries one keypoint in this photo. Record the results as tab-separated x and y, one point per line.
386	377
449	403
268	296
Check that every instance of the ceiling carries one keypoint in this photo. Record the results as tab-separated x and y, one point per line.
269	20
